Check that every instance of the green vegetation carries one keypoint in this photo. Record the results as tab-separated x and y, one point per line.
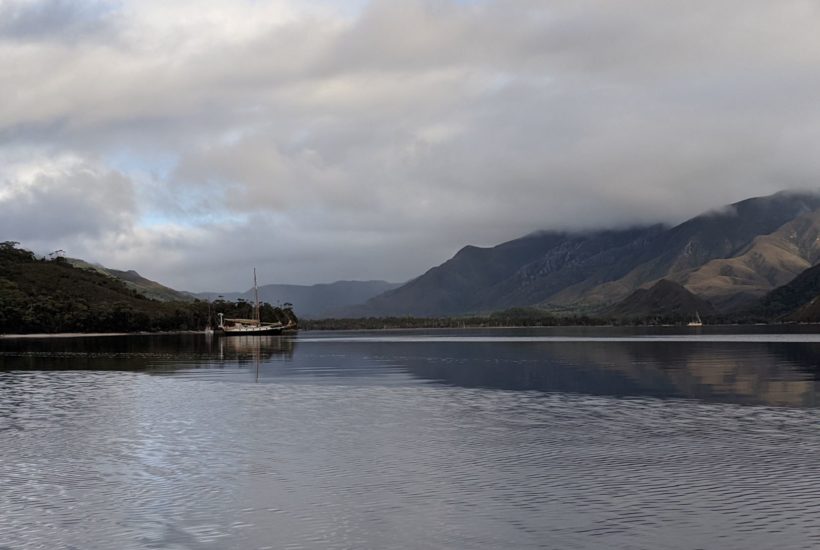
515	317
507	318
134	281
40	295
796	300
52	296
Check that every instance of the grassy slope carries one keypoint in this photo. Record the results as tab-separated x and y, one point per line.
132	279
690	246
769	262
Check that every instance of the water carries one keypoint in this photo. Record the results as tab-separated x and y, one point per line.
562	438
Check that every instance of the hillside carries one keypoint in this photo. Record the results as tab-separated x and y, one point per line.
688	247
49	296
732	256
768	262
516	273
795	301
135	281
665	299
54	296
312	301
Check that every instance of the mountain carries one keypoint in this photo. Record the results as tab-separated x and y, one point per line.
769	261
730	256
665	299
680	252
322	300
794	301
522	272
52	295
132	279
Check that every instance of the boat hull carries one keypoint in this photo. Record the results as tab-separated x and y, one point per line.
248	331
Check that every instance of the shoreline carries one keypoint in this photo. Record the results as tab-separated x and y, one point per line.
408	328
94	334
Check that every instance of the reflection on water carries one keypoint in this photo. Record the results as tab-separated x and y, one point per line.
751	369
761	373
409	440
140	352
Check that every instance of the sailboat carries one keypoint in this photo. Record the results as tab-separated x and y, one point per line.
696	323
209	330
253	326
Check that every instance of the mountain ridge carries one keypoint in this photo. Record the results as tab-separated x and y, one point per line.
311	301
589	271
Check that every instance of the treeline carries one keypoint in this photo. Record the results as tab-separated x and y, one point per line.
515	317
39	295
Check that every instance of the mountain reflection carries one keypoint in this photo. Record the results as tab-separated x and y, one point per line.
780	374
748	372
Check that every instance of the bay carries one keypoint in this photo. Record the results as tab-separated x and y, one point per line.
514	438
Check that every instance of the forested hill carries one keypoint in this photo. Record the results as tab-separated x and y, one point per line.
50	296
795	301
135	281
665	300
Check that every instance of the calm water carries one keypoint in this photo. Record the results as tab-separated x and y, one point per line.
564	439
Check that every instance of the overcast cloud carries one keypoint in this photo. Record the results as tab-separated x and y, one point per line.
192	140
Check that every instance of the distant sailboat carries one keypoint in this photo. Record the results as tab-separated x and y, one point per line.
209	330
697	322
253	326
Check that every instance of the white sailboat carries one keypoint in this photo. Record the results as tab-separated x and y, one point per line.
249	327
696	322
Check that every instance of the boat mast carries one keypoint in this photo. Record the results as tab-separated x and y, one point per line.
256	297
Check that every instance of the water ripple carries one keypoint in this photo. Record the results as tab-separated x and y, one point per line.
367	450
138	462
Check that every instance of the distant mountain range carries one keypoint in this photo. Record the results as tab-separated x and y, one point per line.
731	257
313	301
755	259
310	301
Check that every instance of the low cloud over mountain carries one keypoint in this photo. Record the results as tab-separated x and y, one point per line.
324	140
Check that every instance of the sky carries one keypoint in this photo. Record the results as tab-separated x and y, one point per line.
192	140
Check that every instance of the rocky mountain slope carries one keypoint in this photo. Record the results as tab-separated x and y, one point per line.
731	256
769	261
730	233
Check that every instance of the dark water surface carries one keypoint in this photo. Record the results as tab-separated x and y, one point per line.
562	438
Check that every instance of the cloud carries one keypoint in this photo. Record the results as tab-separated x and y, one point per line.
58	201
52	20
373	140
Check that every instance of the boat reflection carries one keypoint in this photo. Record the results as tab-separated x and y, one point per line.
148	352
254	348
